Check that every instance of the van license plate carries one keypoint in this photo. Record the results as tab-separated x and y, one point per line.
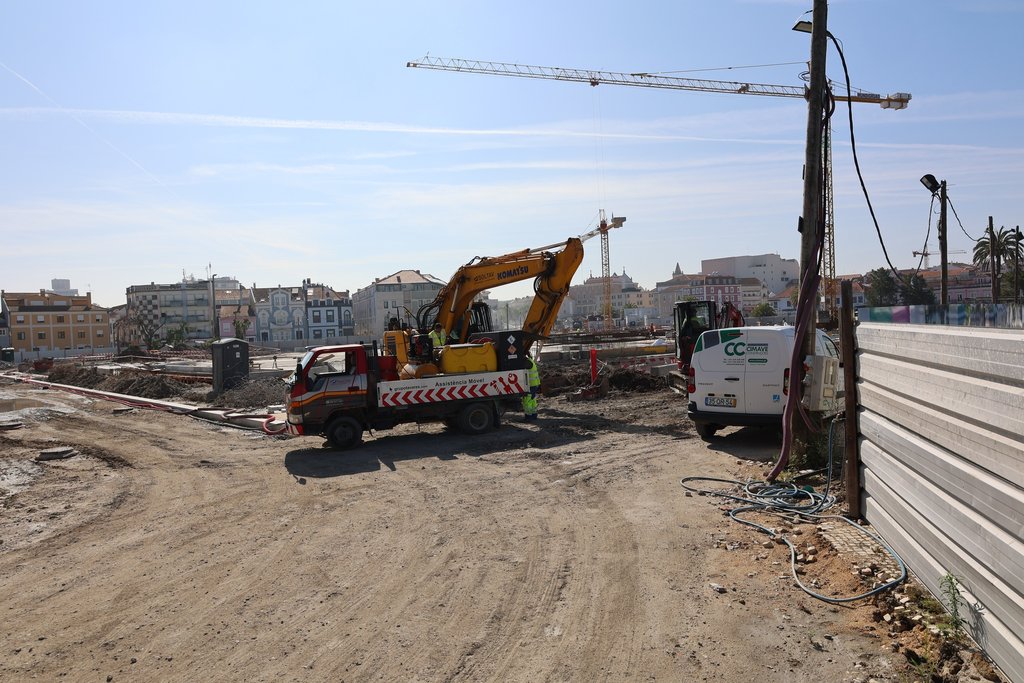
720	401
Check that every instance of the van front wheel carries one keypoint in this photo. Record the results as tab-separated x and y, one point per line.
704	430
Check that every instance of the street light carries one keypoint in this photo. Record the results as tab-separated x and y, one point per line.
936	187
802	26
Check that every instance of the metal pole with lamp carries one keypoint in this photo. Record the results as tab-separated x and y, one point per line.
934	186
796	432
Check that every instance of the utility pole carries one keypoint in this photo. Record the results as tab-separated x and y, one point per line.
812	157
214	323
944	288
812	210
992	260
1016	266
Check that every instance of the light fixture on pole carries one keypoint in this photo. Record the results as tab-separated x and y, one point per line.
939	187
803	26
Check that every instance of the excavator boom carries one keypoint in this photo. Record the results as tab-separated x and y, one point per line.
552	272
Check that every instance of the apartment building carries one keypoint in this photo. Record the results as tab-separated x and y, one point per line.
328	313
236	316
752	292
5	325
184	309
399	295
771	269
47	322
587	299
716	287
279	314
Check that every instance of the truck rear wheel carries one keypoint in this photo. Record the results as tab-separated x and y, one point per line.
344	432
704	430
476	418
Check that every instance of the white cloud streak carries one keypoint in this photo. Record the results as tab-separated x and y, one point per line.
563	131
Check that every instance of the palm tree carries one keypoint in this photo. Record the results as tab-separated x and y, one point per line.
1002	245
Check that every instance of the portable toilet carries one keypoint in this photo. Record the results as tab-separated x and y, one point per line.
230	364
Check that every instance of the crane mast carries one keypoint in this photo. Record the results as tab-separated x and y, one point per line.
603	226
592	77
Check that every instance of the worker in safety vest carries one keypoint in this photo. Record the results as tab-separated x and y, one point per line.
530	400
437	336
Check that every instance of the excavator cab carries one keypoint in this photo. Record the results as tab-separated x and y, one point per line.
479	320
692	318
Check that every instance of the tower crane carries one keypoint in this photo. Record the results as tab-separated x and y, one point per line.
897	100
602	229
926	253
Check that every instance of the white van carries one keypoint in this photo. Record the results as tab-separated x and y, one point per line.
740	376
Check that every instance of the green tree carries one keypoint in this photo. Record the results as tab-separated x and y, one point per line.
178	335
915	291
881	288
1012	279
241	325
140	326
763	310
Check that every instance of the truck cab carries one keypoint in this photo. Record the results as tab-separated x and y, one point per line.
328	379
341	391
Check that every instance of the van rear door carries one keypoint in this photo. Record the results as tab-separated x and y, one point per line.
718	370
766	354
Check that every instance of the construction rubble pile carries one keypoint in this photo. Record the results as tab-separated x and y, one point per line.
132	383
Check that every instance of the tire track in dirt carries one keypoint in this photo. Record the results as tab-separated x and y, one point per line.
530	554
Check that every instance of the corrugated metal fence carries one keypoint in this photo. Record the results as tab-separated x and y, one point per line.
942	466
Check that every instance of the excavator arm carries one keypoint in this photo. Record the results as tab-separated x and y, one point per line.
552	271
730	316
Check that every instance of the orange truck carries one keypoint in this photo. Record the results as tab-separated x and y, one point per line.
341	391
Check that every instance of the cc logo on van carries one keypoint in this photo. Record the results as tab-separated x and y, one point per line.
735	348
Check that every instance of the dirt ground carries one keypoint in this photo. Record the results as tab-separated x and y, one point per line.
560	550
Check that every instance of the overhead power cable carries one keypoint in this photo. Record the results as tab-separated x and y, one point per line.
950	202
924	249
856	164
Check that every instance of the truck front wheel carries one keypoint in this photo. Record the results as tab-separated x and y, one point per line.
476	418
344	432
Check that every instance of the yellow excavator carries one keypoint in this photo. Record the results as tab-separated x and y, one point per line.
463	319
551	268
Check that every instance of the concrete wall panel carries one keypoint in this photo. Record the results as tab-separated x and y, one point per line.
941	426
998	453
982	353
1001	641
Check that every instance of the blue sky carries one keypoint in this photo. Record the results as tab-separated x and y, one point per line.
277	141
